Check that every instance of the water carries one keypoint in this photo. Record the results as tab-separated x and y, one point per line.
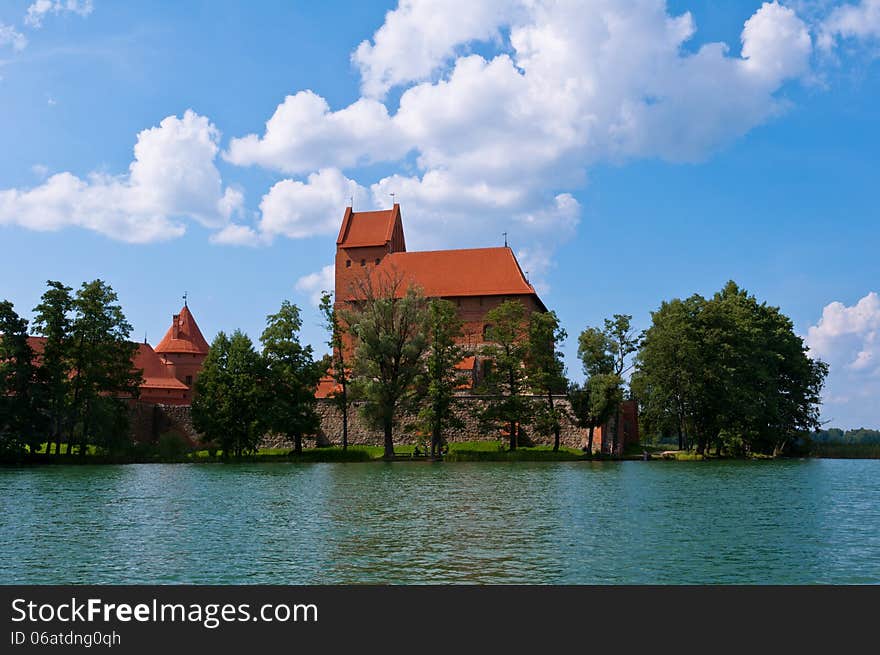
811	521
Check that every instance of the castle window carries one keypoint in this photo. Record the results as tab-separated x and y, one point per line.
348	263
189	380
377	261
363	262
486	328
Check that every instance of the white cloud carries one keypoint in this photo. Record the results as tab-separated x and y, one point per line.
10	37
39	9
173	177
849	335
314	284
501	141
419	36
851	21
304	135
848	339
40	170
235	234
302	209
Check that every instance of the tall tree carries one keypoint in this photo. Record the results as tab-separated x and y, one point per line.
671	355
504	382
338	369
19	412
388	325
545	371
101	360
229	407
608	352
442	378
52	321
594	402
293	375
731	370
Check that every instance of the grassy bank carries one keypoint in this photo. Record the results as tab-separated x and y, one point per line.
470	451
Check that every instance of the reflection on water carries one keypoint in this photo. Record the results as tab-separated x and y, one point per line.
630	522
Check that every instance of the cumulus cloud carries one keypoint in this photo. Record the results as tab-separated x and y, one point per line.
304	135
39	9
9	36
302	209
848	338
486	144
419	36
314	284
851	21
173	177
849	335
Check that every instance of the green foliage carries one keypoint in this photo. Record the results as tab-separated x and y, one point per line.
441	378
100	355
606	355
595	401
337	366
728	372
505	381
545	372
388	326
173	446
292	376
52	321
20	418
230	401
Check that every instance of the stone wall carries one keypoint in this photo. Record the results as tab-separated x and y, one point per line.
466	407
149	421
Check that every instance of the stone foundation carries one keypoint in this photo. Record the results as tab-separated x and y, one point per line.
149	421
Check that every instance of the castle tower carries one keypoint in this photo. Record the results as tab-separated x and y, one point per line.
365	239
183	348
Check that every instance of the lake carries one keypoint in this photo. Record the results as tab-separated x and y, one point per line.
781	522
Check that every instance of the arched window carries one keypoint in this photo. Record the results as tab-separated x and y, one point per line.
486	328
377	261
348	263
363	262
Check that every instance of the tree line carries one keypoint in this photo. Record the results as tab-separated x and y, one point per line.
72	392
725	372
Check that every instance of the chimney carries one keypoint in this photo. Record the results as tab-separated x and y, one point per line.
175	327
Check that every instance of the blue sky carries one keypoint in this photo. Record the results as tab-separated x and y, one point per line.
634	150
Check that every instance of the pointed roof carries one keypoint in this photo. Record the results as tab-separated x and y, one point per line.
183	336
376	228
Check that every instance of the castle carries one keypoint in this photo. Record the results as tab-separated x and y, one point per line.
369	244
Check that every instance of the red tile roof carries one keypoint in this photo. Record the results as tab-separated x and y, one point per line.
456	273
183	336
156	374
360	229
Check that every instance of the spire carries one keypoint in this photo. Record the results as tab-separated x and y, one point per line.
183	336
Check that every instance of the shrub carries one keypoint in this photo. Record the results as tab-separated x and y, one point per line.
173	446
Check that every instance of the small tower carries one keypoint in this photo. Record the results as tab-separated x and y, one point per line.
183	348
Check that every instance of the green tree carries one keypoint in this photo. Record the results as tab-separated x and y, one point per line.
20	422
608	352
729	370
594	402
667	368
229	407
52	321
337	367
545	371
444	328
293	375
388	326
101	360
504	382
